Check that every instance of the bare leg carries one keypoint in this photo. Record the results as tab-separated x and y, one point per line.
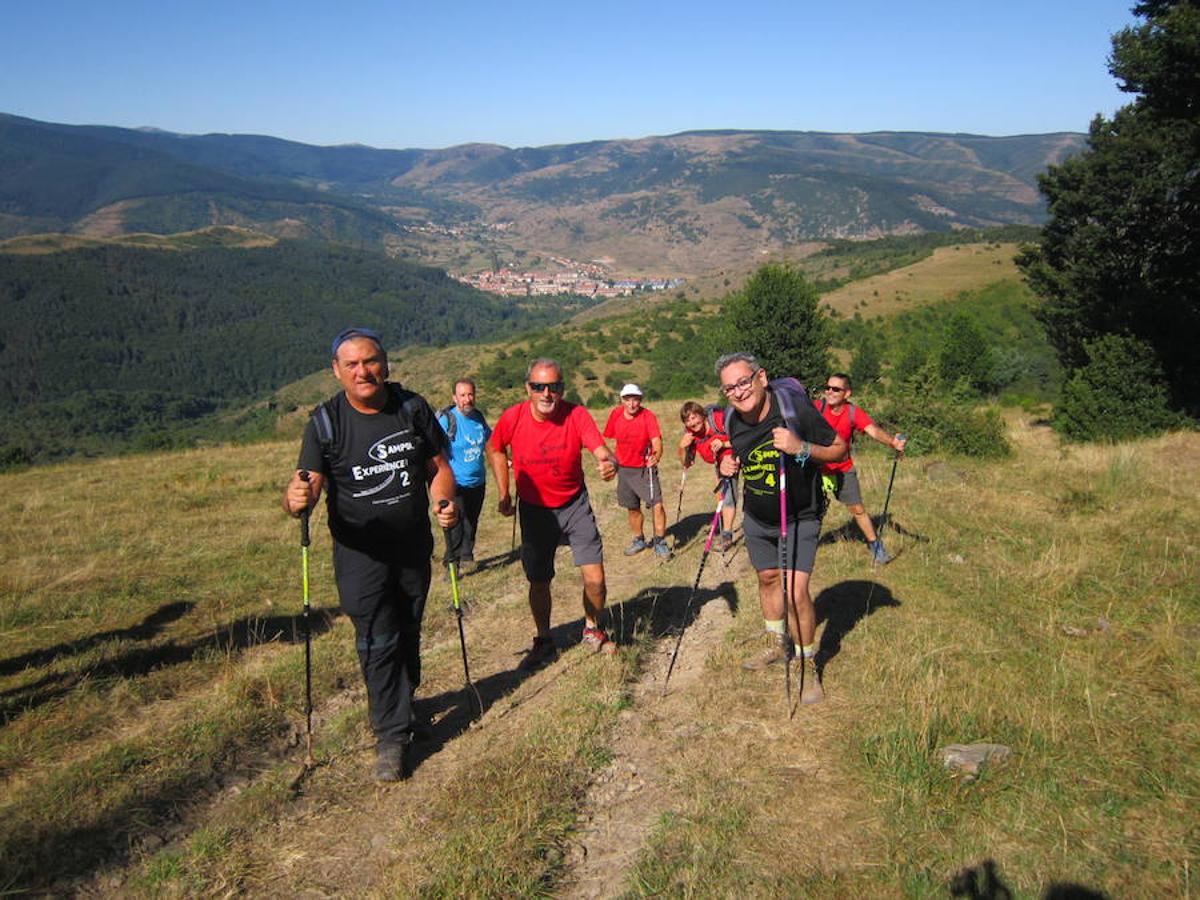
660	520
864	521
636	521
595	592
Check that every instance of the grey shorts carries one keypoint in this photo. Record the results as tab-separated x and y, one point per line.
635	486
543	528
846	487
762	543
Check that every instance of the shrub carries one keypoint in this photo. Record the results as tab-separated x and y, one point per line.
1120	393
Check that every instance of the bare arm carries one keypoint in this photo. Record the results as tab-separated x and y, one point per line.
499	463
442	488
788	443
604	462
896	443
655	451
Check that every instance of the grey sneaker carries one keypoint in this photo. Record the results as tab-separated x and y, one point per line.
389	761
777	648
661	550
879	554
811	692
636	546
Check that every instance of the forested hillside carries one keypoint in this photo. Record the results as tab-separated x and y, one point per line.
113	344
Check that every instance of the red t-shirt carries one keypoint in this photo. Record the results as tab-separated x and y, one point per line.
633	435
841	424
703	441
545	455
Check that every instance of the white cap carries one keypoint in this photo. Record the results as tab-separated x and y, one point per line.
631	390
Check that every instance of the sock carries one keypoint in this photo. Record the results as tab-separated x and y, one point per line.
809	650
775	626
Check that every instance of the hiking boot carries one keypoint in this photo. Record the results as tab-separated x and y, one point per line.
725	542
389	761
661	550
542	652
466	567
777	648
636	546
597	641
811	692
878	553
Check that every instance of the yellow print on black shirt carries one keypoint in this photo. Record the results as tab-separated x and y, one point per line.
760	470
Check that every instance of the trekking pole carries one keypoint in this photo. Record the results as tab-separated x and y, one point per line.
783	585
452	565
888	497
304	543
712	531
679	509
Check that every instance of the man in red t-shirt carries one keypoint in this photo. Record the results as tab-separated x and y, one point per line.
639	448
700	437
841	477
547	435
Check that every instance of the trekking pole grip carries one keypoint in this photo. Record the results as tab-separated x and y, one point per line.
304	541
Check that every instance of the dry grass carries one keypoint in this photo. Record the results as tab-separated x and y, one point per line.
943	276
1048	603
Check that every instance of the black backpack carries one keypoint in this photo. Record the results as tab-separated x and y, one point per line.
323	419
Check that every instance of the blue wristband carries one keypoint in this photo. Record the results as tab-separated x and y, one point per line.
801	458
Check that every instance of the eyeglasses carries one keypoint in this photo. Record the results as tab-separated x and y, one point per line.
835	389
554	387
738	386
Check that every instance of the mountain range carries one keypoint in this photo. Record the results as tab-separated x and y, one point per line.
681	204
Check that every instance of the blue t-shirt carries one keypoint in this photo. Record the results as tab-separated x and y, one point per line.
466	452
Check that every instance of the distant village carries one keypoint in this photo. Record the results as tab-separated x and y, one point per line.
573	277
585	279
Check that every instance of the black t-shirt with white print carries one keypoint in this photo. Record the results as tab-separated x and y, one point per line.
754	446
377	497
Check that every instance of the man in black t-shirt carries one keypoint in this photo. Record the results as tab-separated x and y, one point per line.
383	467
761	438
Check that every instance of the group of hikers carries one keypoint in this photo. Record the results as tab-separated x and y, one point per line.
384	458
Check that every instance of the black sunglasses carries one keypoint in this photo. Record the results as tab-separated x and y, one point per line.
834	388
554	387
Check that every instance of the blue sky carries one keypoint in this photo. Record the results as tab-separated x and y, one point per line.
400	74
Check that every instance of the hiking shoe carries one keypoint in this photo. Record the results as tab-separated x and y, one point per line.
542	652
661	550
726	541
879	554
811	692
466	567
597	641
637	545
777	648
389	761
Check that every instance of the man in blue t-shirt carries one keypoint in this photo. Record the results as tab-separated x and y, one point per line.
468	432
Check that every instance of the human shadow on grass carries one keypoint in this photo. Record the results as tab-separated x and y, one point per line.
983	882
233	638
660	610
689	527
142	631
849	531
841	607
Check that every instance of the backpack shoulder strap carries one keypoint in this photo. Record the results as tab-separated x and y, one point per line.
787	390
447	412
322	419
